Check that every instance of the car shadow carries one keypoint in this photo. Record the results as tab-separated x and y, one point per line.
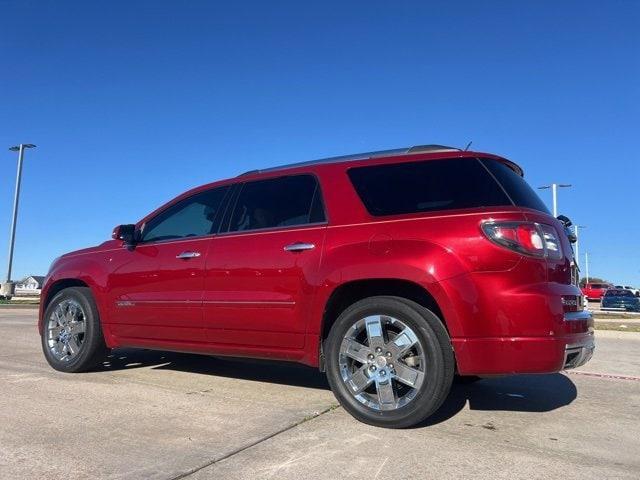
520	393
282	373
513	393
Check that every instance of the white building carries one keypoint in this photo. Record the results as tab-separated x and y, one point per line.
31	285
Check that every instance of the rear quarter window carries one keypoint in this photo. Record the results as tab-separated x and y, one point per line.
426	186
516	187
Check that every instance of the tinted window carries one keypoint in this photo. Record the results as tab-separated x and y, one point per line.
278	202
519	190
426	186
618	293
192	217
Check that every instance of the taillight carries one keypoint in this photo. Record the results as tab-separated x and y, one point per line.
551	241
529	238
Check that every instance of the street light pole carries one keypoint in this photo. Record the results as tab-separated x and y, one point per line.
554	192
586	264
576	228
16	198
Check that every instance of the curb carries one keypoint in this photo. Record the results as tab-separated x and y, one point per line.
13	306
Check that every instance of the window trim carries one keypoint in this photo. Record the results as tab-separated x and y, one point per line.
272	229
225	229
224	205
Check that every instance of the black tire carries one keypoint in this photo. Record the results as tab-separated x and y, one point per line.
93	349
437	348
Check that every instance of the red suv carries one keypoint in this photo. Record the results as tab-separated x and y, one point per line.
392	271
595	291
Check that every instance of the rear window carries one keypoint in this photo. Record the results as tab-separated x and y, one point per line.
516	187
618	293
426	186
598	285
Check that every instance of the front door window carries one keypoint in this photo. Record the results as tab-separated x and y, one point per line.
194	216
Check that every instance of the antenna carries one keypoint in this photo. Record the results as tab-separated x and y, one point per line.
468	145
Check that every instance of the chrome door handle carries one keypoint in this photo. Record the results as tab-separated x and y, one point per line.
184	255
298	247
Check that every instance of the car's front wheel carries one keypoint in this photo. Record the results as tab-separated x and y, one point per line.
389	361
72	339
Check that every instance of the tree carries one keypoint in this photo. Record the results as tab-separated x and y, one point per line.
583	280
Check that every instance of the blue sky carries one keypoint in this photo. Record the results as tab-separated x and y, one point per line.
131	103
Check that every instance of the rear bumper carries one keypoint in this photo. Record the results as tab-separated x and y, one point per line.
577	355
512	355
507	324
621	308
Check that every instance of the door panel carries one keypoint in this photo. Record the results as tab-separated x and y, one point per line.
155	295
155	287
258	294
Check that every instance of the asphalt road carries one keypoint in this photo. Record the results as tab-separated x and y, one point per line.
168	416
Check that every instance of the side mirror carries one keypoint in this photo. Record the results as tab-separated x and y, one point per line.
126	233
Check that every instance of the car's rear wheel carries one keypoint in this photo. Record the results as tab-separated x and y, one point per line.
389	361
72	339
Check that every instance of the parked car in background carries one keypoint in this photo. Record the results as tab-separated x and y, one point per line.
635	291
595	291
391	271
620	299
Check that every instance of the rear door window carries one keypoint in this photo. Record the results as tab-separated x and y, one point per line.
426	186
278	203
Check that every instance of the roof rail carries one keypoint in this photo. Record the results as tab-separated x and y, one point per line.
431	148
360	156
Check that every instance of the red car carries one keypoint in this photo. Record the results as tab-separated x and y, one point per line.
392	271
595	291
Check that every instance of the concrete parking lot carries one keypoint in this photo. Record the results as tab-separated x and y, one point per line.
168	416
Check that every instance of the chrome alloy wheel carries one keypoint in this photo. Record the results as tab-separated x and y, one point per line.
382	362
66	330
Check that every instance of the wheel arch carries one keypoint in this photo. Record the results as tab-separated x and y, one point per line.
355	290
60	285
52	290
